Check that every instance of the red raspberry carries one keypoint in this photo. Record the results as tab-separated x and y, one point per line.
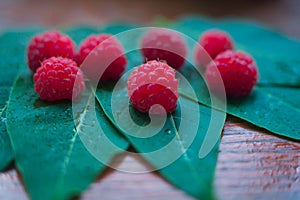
108	54
213	42
153	83
46	45
88	45
164	44
55	79
238	71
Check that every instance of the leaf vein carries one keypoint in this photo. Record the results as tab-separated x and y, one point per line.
183	149
71	147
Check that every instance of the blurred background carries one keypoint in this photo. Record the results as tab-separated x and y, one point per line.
281	15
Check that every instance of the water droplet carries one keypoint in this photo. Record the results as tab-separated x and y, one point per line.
3	119
168	132
190	154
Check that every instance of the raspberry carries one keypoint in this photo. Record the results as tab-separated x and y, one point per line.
213	42
88	45
46	45
164	44
153	83
108	54
55	79
238	71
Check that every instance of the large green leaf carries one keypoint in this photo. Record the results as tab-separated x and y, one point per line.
186	171
49	153
272	105
6	154
273	108
277	56
12	47
290	95
80	33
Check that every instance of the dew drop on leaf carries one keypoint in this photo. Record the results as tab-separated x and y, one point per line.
3	119
189	154
168	132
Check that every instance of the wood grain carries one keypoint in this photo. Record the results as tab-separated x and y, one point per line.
252	164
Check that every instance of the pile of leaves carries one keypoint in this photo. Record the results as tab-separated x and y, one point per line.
43	140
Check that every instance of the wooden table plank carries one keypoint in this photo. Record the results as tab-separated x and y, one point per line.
254	164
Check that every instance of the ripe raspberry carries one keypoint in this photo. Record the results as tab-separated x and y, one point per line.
46	45
55	79
108	55
164	44
153	83
238	71
213	42
88	45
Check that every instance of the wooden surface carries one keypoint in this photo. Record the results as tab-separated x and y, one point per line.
253	164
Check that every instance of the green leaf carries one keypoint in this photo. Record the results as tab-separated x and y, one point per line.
10	67
80	33
273	108
277	56
49	152
270	111
273	103
179	162
6	154
290	95
150	134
